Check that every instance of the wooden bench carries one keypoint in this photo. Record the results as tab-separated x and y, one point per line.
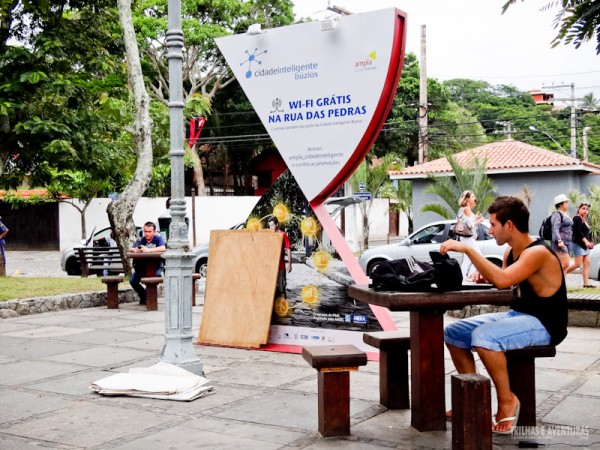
394	386
97	260
112	291
521	372
152	292
195	276
334	364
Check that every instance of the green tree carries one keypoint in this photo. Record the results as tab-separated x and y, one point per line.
577	21
400	191
51	112
449	188
373	175
205	70
452	127
590	102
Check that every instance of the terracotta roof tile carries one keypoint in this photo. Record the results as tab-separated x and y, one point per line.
503	155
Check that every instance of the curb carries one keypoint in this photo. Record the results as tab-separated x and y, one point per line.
38	305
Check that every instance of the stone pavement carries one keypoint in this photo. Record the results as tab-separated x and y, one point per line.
263	399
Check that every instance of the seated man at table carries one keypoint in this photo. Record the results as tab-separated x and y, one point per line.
150	242
538	314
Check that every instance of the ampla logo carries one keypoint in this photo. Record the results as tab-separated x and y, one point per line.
252	59
367	63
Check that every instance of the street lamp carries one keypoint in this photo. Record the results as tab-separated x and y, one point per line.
532	128
178	348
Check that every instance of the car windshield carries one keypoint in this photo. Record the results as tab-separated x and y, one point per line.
433	234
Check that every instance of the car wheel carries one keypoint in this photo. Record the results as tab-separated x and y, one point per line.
372	265
202	267
73	266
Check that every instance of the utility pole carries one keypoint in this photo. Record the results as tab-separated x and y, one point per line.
572	99
586	130
422	122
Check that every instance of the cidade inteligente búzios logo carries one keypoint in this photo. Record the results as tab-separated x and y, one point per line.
298	71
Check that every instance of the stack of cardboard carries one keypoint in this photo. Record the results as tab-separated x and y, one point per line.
162	381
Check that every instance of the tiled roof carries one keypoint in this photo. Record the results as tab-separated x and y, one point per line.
508	155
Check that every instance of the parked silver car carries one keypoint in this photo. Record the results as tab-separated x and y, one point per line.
428	238
595	263
69	260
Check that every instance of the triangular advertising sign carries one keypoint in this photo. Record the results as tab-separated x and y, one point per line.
322	92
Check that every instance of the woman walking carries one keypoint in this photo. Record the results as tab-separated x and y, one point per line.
468	202
582	244
562	231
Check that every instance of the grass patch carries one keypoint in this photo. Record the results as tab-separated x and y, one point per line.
595	291
26	287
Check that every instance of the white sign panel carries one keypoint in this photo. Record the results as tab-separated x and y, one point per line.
321	94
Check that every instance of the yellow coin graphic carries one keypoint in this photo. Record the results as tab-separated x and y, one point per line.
310	294
281	307
321	259
308	226
253	224
281	212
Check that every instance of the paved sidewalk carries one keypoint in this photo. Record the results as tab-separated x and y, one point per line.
263	400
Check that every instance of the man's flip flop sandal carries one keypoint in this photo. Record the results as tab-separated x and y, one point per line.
514	420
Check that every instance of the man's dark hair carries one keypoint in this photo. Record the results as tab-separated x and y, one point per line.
511	208
274	220
150	224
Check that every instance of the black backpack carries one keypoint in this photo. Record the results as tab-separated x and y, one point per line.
546	228
409	275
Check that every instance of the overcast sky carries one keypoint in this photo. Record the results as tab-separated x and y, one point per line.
472	39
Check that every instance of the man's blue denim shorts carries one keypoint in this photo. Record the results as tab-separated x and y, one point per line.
499	332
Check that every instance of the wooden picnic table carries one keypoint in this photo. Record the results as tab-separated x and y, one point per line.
427	341
152	262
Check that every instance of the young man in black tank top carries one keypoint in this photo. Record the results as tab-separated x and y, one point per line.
538	316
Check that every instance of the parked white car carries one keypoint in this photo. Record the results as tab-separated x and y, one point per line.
429	238
595	263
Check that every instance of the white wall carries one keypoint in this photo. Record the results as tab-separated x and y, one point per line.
212	213
379	218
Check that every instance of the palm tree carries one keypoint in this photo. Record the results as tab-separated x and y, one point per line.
449	188
590	102
401	192
374	176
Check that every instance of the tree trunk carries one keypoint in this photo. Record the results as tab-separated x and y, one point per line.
120	211
366	228
199	184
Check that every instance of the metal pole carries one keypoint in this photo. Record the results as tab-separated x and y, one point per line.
194	215
178	348
573	123
422	120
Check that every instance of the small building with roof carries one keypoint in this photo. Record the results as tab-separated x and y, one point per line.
512	165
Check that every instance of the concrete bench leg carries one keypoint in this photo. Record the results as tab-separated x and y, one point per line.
521	373
394	387
471	412
334	364
393	380
112	291
152	297
334	403
195	276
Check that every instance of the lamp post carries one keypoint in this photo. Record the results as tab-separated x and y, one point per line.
178	348
532	128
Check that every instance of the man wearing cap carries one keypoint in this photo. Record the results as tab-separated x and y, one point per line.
562	231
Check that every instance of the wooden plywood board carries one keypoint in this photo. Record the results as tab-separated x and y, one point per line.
240	287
